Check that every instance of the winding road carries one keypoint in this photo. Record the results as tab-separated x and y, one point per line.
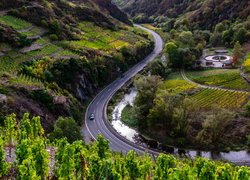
101	125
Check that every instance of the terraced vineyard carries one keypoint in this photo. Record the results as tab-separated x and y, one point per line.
15	23
207	97
105	40
230	79
222	98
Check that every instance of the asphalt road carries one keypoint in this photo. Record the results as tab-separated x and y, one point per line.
98	106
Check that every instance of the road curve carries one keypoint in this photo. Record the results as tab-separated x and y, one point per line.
99	104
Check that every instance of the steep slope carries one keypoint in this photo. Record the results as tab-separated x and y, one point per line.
204	13
55	55
66	13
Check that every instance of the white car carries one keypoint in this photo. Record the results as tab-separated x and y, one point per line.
91	117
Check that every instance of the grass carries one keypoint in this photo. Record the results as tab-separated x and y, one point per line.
176	86
67	53
128	118
15	23
230	79
42	41
33	32
174	75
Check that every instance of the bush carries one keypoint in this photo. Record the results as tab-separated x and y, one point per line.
53	37
43	97
66	128
24	41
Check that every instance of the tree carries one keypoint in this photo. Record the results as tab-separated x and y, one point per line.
237	52
219	28
172	50
159	68
240	35
146	87
187	39
66	128
171	112
214	125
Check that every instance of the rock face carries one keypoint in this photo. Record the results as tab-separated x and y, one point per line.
7	34
3	99
60	100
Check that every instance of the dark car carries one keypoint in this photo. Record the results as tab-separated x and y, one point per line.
91	117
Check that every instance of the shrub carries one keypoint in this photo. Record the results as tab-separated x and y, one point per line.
44	97
66	128
53	37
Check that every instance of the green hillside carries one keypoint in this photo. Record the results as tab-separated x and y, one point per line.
55	55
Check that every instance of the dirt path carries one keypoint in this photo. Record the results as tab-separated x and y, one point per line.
209	87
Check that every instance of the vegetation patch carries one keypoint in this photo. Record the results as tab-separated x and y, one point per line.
128	116
230	79
16	23
246	64
223	98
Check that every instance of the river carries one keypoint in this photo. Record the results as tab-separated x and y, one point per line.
238	157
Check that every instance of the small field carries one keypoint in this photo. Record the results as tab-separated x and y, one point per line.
225	78
15	23
105	40
205	97
225	99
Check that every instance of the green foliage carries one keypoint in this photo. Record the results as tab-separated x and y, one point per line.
230	79
158	68
53	37
14	22
44	97
95	161
128	116
225	99
4	166
24	41
171	112
214	125
237	52
146	87
102	147
66	128
132	165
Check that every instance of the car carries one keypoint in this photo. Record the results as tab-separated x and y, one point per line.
92	117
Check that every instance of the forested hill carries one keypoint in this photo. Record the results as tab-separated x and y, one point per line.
205	13
56	54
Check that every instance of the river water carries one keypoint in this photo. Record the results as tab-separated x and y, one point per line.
239	157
